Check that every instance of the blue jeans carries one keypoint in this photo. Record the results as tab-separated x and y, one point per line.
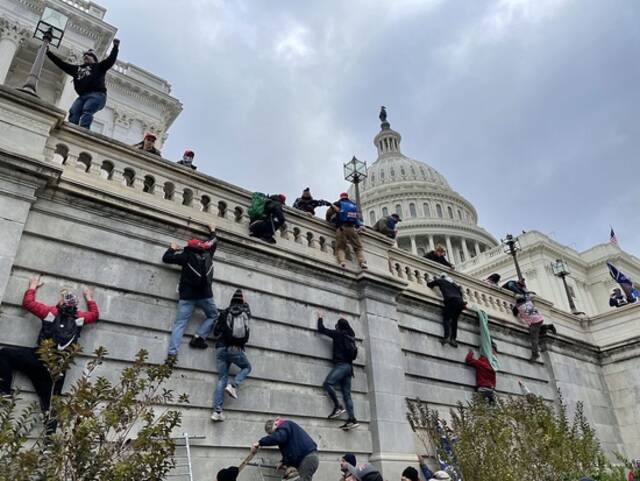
183	314
341	374
83	108
225	356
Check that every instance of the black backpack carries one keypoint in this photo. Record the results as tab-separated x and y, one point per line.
64	328
350	347
198	270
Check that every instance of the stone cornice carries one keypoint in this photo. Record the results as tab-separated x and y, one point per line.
13	31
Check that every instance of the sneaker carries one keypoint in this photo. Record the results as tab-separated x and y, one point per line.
217	416
337	412
198	343
350	424
231	391
534	357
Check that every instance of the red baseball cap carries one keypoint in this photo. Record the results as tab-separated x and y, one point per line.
189	153
149	135
344	195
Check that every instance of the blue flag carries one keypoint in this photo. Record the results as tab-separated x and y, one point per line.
625	283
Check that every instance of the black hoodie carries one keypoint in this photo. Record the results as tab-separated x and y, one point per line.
88	77
339	336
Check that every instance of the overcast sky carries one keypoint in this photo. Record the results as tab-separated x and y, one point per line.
529	108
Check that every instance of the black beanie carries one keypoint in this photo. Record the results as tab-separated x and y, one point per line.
228	474
238	297
350	458
410	473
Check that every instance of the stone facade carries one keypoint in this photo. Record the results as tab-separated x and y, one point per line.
84	209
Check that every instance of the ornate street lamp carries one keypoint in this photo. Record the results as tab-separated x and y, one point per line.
511	246
50	30
355	171
561	269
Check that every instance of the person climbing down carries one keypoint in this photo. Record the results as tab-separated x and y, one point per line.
266	216
61	323
493	280
439	255
485	374
344	352
348	228
296	446
194	288
528	314
308	204
453	307
231	334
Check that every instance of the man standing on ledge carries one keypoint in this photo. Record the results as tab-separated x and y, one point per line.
89	83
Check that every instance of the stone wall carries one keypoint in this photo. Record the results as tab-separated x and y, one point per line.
76	226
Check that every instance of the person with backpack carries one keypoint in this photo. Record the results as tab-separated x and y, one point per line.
453	307
61	323
344	352
308	204
296	446
88	82
348	227
194	289
266	216
231	334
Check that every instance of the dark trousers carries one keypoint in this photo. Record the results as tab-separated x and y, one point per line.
452	309
537	330
488	394
26	360
341	375
264	228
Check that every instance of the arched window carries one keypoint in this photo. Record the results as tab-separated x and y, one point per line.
412	210
372	217
450	212
439	210
459	214
205	203
399	210
187	197
61	153
392	172
402	171
382	175
385	212
169	190
426	210
84	162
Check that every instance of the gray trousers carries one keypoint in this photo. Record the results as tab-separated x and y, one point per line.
534	333
309	466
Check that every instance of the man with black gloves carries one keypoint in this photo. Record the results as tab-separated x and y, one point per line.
344	352
308	204
196	260
231	334
453	306
62	324
89	83
296	446
270	220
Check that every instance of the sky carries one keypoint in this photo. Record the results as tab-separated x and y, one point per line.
529	108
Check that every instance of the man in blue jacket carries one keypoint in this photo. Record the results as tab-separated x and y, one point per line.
296	446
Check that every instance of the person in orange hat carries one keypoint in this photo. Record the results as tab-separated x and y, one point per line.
148	144
187	159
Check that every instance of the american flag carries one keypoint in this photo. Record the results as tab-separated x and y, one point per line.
613	239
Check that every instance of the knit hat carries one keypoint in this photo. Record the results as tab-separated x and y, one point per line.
350	458
344	195
227	474
397	216
238	297
365	472
282	197
410	473
91	53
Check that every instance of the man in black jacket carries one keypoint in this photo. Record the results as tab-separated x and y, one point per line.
231	334
196	260
439	255
344	353
89	83
308	204
453	306
272	219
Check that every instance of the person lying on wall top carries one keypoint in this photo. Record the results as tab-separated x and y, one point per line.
439	255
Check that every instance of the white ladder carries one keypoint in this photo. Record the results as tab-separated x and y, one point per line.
183	471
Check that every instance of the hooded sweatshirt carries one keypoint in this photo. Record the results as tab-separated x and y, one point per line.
450	290
293	441
189	256
88	77
340	338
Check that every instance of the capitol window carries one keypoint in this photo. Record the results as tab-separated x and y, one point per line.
427	211
459	214
439	210
372	217
385	212
450	212
412	210
399	210
402	172
392	172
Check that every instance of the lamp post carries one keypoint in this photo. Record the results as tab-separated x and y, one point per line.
50	30
511	246
561	269
355	171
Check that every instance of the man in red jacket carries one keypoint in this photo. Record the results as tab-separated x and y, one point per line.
61	323
485	375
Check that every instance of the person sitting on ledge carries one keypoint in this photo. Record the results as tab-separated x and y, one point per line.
439	255
271	218
187	159
88	82
388	225
148	144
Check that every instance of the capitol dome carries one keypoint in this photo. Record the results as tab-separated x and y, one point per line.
432	212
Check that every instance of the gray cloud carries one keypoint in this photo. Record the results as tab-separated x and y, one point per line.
529	108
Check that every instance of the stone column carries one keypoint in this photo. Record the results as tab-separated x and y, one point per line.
432	245
450	256
11	37
477	247
465	249
414	247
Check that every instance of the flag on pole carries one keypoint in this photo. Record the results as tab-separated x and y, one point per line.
625	283
613	239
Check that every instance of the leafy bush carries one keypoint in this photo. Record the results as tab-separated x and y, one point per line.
105	431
